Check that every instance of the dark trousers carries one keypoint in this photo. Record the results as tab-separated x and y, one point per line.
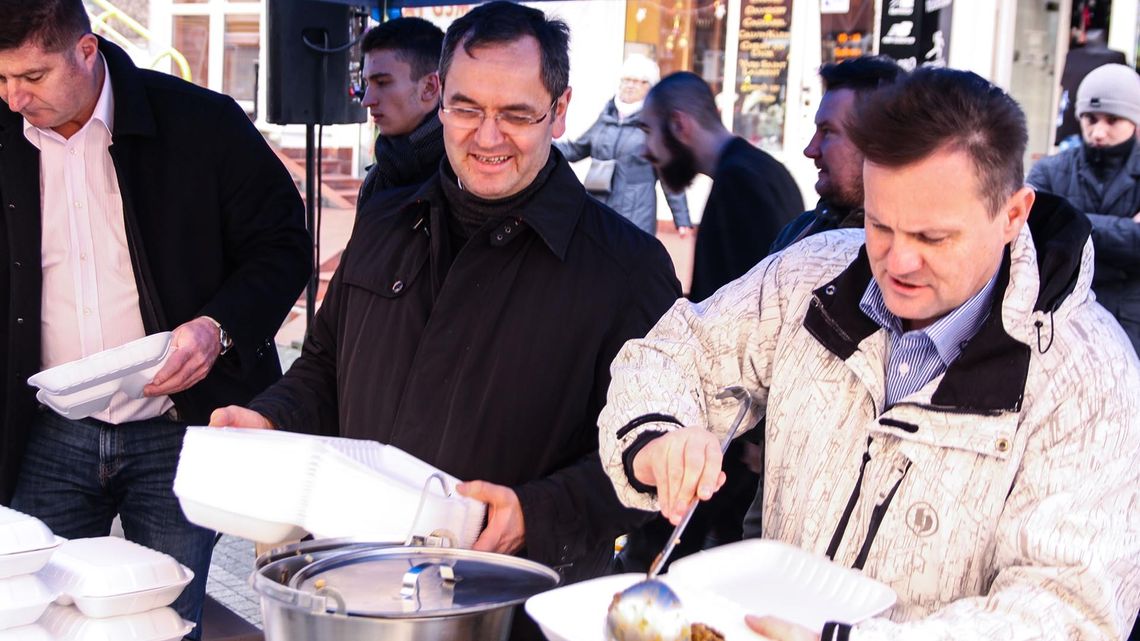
77	475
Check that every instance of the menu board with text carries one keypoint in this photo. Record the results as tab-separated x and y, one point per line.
762	71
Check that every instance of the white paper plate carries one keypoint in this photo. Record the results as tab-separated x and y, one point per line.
718	587
22	533
22	600
65	623
107	566
577	612
770	577
85	386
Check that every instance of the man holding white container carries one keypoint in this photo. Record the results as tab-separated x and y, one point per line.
134	203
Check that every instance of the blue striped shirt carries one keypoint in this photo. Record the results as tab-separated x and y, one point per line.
919	356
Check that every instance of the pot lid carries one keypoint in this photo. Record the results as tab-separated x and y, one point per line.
398	582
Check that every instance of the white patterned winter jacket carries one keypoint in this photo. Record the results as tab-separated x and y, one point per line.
1000	501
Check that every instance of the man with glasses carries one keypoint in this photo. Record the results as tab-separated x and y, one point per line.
473	322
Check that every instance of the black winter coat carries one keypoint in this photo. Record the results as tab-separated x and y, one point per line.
214	225
753	196
1116	237
494	367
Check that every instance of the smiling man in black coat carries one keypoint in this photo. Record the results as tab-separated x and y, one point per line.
472	323
133	203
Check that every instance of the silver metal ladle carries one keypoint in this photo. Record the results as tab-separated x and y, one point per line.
649	610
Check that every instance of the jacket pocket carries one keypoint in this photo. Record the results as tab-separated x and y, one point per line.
387	270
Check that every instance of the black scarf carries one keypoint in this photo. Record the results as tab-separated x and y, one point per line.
1107	161
472	212
405	160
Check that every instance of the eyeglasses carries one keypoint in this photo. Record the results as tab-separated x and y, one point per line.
506	121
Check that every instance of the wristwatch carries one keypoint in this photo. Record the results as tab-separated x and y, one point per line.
224	338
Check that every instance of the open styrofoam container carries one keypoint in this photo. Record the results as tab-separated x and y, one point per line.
65	623
109	576
22	600
269	486
33	632
22	533
720	586
83	387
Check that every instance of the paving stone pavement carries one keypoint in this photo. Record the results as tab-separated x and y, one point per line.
228	581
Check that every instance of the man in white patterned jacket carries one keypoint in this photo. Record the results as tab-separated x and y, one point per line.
948	408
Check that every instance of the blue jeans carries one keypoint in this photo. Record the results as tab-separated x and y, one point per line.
77	475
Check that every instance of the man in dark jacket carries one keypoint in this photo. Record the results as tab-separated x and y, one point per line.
1079	62
401	93
616	143
134	203
1102	179
752	196
472	322
839	161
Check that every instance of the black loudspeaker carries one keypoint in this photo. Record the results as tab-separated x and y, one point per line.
308	86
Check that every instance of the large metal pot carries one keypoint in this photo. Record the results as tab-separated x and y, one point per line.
360	591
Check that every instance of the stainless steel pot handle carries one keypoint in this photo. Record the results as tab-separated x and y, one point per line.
411	586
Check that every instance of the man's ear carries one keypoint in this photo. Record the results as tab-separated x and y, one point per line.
430	91
1015	212
87	50
680	124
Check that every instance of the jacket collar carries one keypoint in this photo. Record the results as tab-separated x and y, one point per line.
133	116
553	212
990	373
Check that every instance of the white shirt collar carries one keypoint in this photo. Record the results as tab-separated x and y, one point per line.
104	112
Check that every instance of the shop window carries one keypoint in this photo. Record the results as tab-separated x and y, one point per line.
849	32
762	71
681	35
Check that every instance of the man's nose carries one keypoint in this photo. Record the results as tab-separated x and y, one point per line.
488	134
812	149
17	98
369	98
903	258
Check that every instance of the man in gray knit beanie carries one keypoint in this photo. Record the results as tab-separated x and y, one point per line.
1102	179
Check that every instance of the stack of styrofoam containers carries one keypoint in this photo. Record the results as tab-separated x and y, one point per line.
111	589
26	544
271	486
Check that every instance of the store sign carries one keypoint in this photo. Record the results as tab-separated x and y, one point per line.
912	32
762	71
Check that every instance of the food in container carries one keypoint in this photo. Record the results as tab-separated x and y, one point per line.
66	623
83	387
22	600
108	576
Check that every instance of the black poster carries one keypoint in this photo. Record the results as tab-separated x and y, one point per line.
915	32
762	71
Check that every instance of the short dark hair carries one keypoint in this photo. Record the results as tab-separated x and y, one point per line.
53	25
860	74
686	92
415	41
501	22
935	108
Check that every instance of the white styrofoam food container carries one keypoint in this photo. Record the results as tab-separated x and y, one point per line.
83	387
22	533
719	587
269	486
22	600
33	632
66	623
109	576
27	562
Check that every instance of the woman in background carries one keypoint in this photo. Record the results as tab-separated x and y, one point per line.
619	175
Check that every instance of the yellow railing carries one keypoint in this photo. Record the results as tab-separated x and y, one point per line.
99	23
